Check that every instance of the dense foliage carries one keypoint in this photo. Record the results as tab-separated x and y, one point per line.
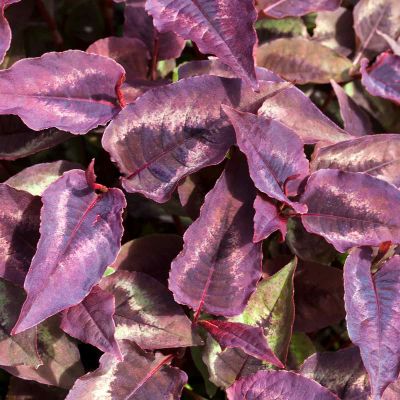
241	238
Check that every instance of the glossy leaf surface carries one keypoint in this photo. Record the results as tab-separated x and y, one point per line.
175	130
48	92
218	248
92	322
220	27
376	155
293	8
382	79
80	236
372	307
19	232
146	313
271	160
302	61
270	385
141	376
248	338
351	209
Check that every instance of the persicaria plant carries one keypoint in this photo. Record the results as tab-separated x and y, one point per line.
241	238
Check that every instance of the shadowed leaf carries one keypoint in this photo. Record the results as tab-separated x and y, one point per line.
303	61
91	321
141	376
351	209
146	313
80	236
295	8
19	232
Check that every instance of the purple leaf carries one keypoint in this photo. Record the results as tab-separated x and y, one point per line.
220	27
17	140
139	255
341	371
131	53
175	130
376	155
18	349
383	78
267	219
38	177
218	250
282	385
80	236
356	120
274	153
19	232
392	392
18	389
318	297
294	109
5	31
60	357
351	209
146	313
138	24
394	45
373	321
295	8
73	91
334	29
246	337
92	321
141	376
299	60
371	16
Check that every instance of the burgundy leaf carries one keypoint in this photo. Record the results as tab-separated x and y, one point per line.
60	357
351	209
138	24
5	30
267	219
80	236
131	53
146	313
21	348
19	232
373	323
141	376
73	90
17	140
274	153
377	155
318	297
220	27
295	110
356	120
38	177
302	60
246	337
282	385
295	8
371	16
218	250
334	29
92	321
341	371
175	130
139	255
383	78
